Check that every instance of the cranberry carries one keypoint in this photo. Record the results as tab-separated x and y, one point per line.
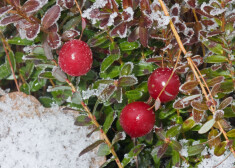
158	80
136	119
75	58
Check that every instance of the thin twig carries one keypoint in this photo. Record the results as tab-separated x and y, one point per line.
80	11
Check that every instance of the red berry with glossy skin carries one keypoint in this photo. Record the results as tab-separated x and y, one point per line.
136	120
158	80
75	58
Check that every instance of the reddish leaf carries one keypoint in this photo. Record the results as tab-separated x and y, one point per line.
134	35
182	69
120	29
187	86
198	115
32	31
69	35
199	105
180	26
225	103
214	33
31	6
15	3
127	3
10	19
157	104
143	33
54	40
145	21
225	124
185	102
208	22
144	6
175	10
51	16
215	67
199	11
191	3
213	139
5	9
218	115
53	28
95	13
162	150
198	60
207	8
83	24
69	3
218	79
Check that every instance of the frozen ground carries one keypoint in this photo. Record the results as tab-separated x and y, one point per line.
32	136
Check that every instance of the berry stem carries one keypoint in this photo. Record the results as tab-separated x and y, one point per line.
80	11
193	69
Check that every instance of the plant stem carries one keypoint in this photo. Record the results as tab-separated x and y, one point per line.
80	11
190	62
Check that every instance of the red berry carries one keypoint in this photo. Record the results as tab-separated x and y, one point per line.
136	119
158	80
75	58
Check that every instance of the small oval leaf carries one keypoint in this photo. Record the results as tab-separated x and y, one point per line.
207	126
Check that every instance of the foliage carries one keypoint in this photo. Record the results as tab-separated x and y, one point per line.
129	39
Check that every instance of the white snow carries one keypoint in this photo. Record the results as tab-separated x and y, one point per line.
36	137
184	150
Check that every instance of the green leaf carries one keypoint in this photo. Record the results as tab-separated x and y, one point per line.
25	88
129	46
111	72
46	101
127	69
175	158
128	80
76	98
107	162
195	149
4	71
98	39
19	41
109	119
118	137
176	145
227	87
108	61
165	113
58	88
216	59
71	23
34	57
103	150
27	70
37	84
207	126
133	94
46	75
161	150
188	124
13	61
173	131
231	133
134	152
220	149
228	112
90	147
83	120
18	57
143	68
214	47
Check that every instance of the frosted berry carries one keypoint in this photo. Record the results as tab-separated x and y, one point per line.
158	80
75	58
136	120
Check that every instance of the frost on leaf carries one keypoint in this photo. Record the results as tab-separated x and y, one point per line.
191	3
5	9
54	40
31	6
15	3
69	3
28	30
69	35
120	30
10	19
175	10
51	16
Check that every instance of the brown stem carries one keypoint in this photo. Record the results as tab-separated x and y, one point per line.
193	69
80	11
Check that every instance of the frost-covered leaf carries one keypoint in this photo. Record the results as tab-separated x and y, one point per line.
191	3
69	3
195	149
161	134
215	89
207	126
175	10
103	150
98	39
53	28
134	152
157	104
109	119
31	31
47	50
134	35
220	149
91	147
10	19
187	86
69	35
127	69
83	120
59	74
119	137
185	102
15	3
119	30
224	123
107	93
143	33
218	115
5	9
197	115
225	103
31	6
128	80
51	16
198	60
129	46
218	79
54	40
76	98
161	150
199	105
143	68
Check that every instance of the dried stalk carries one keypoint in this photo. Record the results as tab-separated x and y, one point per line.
190	62
80	11
104	136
